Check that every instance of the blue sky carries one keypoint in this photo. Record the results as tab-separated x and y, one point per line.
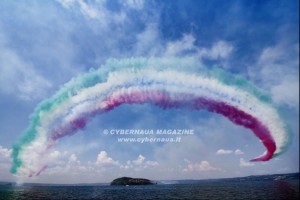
43	44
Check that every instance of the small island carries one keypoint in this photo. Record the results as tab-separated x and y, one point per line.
131	181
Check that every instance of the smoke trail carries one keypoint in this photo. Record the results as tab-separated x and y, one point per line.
168	83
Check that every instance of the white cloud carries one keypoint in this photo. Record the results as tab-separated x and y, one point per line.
67	3
151	163
287	91
148	42
277	69
69	168
244	163
202	166
238	152
139	164
19	77
223	152
139	160
5	164
128	165
134	4
4	153
104	159
180	46
219	50
54	155
73	158
98	11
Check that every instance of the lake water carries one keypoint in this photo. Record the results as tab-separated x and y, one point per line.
217	189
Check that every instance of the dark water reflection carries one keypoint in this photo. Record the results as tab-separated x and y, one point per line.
269	189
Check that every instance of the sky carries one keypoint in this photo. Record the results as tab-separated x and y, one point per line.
44	44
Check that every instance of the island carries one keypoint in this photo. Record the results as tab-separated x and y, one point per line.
131	181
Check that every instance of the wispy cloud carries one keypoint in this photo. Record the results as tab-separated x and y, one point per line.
179	47
5	163
139	164
18	76
134	4
224	152
201	166
244	163
219	50
4	153
66	164
277	70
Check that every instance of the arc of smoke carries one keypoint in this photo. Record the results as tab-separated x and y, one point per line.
162	82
